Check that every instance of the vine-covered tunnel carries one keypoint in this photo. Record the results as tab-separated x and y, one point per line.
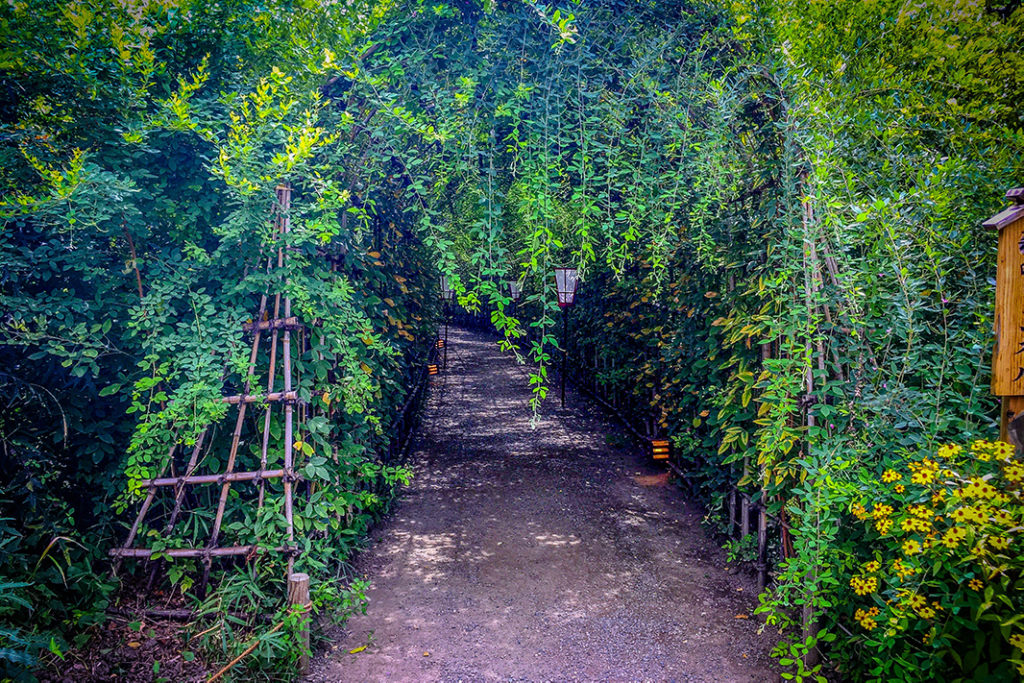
232	230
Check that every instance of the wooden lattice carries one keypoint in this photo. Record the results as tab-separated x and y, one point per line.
280	324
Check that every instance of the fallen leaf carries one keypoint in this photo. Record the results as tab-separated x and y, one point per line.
426	654
358	649
134	644
742	616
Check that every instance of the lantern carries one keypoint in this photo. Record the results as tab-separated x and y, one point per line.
660	449
447	293
565	283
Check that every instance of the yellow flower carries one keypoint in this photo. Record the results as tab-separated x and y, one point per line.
868	623
872	566
1002	518
915	601
926	612
999	542
1014	473
859	511
883	525
1004	451
954	536
881	510
950	451
889	476
900	488
975	584
911	547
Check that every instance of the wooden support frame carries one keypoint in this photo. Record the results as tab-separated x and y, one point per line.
280	328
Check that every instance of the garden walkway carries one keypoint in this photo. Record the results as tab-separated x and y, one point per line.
533	554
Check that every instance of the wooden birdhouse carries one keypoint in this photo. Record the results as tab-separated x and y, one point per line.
1008	354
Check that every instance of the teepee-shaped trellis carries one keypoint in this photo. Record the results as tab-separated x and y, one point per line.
278	325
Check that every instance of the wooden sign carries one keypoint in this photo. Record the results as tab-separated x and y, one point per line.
1008	354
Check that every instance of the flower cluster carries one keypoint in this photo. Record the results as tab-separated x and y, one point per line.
923	472
864	585
866	618
988	450
943	534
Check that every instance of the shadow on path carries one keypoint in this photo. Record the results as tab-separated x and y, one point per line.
537	554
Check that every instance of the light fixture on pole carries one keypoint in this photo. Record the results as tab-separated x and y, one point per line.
566	281
447	294
515	290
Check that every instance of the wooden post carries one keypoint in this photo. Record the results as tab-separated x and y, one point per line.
762	546
744	516
732	512
298	600
1008	354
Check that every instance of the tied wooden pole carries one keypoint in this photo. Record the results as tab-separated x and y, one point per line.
298	600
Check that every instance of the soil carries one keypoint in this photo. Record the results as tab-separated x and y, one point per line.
540	552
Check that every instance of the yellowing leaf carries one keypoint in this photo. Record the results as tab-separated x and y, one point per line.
366	368
358	649
373	254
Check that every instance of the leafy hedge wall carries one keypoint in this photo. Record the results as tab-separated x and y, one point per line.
142	145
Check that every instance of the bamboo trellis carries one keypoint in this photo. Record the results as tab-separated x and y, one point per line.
280	325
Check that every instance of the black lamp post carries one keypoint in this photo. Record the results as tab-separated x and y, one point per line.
565	284
447	294
515	290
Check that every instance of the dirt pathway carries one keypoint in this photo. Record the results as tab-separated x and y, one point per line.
544	554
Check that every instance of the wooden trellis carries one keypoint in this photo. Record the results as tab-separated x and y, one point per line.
279	324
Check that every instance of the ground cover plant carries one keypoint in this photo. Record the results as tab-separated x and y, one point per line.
774	207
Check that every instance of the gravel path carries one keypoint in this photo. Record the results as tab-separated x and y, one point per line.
540	554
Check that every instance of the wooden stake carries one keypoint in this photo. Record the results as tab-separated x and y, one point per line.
298	599
762	546
744	515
